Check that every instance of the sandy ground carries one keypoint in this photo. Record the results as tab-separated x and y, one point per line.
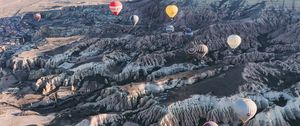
10	116
52	44
16	7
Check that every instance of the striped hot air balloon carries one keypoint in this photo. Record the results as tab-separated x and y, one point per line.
202	49
115	7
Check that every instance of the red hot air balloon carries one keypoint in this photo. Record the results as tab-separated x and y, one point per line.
115	7
37	16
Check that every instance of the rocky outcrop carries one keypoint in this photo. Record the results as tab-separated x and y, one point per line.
49	83
88	67
277	115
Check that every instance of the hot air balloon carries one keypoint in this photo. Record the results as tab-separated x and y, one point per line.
198	49
171	11
245	109
134	19
234	41
202	49
210	123
37	17
188	32
115	6
170	28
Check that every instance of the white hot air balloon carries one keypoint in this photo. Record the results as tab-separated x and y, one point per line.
234	41
245	109
210	123
134	19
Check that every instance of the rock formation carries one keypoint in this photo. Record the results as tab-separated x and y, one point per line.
82	66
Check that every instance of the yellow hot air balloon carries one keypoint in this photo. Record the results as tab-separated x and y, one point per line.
171	11
245	109
234	41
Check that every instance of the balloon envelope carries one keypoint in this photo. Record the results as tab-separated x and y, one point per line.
170	28
188	32
234	41
203	49
171	10
245	109
210	123
134	19
115	7
37	16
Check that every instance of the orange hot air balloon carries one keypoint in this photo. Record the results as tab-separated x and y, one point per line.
115	7
37	17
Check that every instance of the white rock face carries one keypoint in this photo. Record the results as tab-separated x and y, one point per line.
23	63
278	115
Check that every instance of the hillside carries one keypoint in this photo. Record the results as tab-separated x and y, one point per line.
81	65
